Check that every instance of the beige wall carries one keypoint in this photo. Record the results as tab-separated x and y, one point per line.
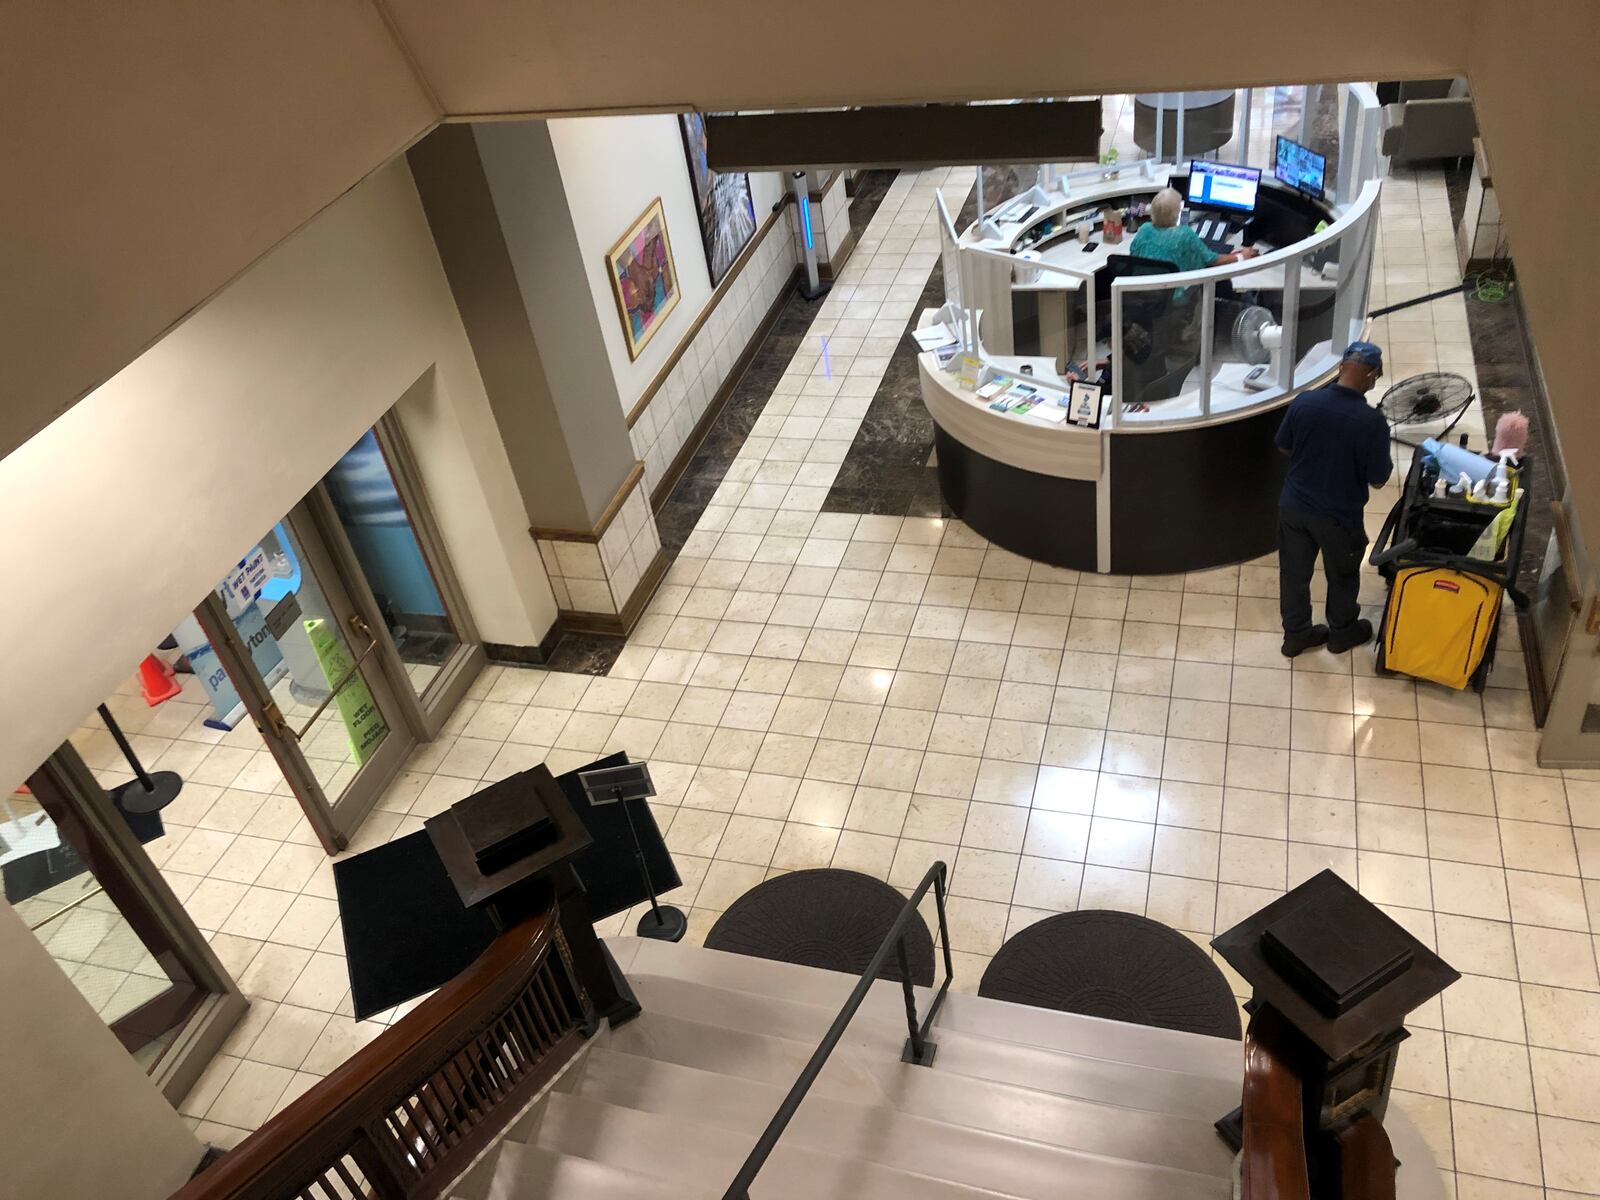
81	1118
1537	91
506	56
125	510
530	202
152	151
612	168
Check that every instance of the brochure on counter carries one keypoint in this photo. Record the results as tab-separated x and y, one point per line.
1005	394
939	339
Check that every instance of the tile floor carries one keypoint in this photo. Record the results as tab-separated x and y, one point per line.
874	693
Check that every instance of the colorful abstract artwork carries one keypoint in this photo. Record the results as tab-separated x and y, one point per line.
643	277
727	213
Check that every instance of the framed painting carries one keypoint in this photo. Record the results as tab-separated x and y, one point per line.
643	278
727	213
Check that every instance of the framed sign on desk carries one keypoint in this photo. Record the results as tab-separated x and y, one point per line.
1083	404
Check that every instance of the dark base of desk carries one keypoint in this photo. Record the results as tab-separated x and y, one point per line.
1181	500
1042	517
1191	499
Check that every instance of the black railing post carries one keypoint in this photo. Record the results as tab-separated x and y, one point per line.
919	1051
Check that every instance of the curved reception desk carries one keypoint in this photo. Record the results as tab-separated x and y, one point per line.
1174	466
1134	501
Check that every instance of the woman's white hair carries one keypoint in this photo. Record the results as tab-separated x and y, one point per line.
1166	206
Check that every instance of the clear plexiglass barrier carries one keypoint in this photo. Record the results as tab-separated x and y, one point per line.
1192	344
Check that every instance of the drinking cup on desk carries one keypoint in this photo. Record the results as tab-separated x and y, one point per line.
1083	233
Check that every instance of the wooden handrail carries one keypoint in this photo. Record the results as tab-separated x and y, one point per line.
411	1110
1366	1161
1274	1154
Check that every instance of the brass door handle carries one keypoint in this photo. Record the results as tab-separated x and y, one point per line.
359	626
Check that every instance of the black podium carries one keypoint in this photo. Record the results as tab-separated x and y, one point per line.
418	910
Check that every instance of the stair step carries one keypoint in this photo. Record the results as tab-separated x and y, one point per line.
529	1172
758	976
654	1035
687	1153
1088	1143
1074	1033
1069	1033
877	1045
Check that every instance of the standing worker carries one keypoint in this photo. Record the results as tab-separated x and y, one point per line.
1338	448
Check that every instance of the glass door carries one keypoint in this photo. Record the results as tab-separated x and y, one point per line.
75	872
378	525
294	652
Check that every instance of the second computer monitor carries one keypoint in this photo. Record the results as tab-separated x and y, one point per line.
1301	167
1223	185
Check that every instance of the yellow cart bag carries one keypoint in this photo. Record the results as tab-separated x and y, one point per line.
1439	623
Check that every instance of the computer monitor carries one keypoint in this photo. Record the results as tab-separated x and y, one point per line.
1223	185
1301	167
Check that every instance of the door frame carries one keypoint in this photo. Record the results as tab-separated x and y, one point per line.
1568	597
147	901
428	713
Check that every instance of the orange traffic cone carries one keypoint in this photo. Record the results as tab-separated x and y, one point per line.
157	681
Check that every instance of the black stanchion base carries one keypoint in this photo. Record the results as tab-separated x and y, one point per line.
132	797
672	927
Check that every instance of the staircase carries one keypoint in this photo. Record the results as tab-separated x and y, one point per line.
1019	1102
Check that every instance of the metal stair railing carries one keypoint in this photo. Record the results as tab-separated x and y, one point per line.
919	1050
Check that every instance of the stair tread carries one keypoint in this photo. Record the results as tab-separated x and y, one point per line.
876	1045
679	1148
526	1171
1007	1128
999	1019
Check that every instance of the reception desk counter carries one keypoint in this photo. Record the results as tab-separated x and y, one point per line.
1137	500
1182	473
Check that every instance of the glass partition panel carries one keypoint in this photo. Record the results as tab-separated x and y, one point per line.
1156	344
1355	278
1312	350
1246	320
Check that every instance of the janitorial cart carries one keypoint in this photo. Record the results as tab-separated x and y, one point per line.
1449	557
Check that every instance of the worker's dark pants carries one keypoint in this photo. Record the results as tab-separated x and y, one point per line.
1301	537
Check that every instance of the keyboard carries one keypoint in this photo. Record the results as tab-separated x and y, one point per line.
1213	231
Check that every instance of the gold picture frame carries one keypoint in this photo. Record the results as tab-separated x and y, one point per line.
644	277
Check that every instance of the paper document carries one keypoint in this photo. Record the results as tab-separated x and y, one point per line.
933	337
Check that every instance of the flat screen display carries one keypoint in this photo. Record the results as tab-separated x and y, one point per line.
1223	185
1300	167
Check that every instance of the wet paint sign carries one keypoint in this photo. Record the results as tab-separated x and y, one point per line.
362	721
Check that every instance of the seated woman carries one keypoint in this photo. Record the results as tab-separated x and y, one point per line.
1161	237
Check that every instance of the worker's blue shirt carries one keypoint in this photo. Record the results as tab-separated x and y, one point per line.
1338	447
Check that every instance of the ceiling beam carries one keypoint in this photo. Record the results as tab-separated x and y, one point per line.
921	135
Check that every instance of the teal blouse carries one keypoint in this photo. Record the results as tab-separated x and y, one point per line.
1179	245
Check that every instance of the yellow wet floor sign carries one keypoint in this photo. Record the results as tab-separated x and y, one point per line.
362	721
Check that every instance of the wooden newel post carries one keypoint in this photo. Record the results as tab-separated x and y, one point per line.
1343	976
507	849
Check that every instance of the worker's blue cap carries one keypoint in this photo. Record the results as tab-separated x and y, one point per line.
1364	352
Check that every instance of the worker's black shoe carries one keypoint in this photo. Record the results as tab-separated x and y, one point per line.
1299	643
1358	634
